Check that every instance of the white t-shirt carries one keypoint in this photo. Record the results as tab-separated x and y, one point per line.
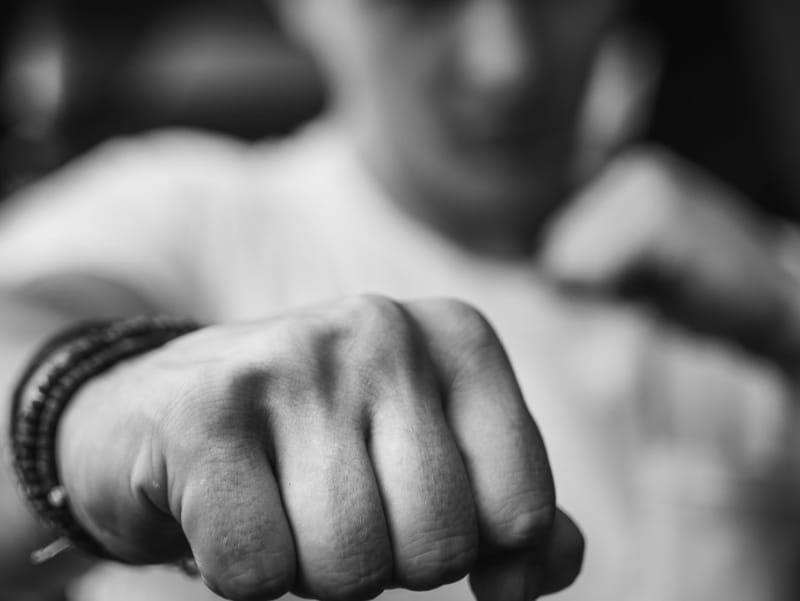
224	231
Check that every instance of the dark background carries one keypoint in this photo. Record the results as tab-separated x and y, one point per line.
74	72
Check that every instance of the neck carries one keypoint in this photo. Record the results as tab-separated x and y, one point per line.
508	229
493	238
504	225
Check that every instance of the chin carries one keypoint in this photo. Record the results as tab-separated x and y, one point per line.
521	203
505	185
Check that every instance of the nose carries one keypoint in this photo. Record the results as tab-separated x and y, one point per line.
497	49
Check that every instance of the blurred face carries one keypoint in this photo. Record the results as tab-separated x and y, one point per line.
466	108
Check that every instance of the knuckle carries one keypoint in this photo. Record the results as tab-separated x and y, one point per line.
662	179
464	323
437	561
361	305
472	323
523	522
653	163
378	333
361	579
251	581
477	339
462	313
373	313
653	190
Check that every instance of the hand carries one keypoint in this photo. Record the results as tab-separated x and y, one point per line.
656	229
718	452
332	452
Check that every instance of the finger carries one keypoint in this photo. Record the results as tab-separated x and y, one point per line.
334	507
425	488
525	575
654	229
564	554
233	518
509	576
502	449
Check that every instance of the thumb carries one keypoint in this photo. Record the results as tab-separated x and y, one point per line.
523	575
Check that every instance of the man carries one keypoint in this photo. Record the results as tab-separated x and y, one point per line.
334	448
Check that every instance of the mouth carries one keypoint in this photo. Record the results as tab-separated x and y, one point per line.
524	134
513	141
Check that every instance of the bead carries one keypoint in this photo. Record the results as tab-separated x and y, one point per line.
61	367
57	497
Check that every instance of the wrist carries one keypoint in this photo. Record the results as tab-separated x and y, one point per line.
63	366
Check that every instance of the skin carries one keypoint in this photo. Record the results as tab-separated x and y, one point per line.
332	452
464	109
368	443
467	110
721	282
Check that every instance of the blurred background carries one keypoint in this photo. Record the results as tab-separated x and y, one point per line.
74	72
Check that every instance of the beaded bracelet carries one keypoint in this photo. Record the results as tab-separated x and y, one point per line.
55	374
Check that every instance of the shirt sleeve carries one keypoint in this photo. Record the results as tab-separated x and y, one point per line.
134	211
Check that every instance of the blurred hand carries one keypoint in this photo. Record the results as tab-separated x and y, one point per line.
720	422
333	452
654	228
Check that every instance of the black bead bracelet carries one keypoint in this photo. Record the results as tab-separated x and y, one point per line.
55	374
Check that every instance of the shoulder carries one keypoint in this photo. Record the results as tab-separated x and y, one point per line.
175	156
129	206
137	167
155	176
182	151
310	173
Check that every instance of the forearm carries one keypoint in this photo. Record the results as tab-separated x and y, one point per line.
27	319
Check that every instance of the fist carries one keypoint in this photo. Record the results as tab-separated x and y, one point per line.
332	452
657	229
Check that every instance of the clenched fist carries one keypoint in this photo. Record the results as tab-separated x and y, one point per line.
333	452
